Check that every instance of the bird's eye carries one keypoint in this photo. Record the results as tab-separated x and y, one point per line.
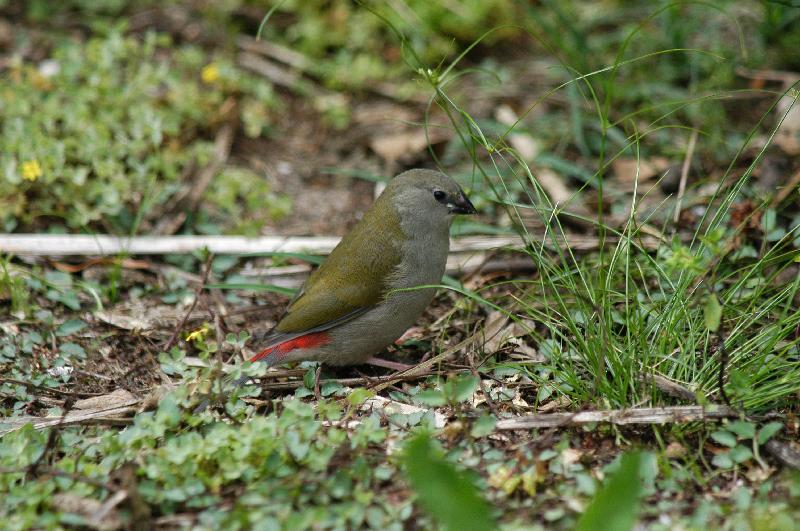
439	195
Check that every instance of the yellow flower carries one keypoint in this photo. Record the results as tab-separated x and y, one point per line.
210	73
31	170
199	334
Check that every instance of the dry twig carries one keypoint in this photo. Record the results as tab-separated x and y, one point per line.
103	244
649	415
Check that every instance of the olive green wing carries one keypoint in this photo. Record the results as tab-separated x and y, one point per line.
352	279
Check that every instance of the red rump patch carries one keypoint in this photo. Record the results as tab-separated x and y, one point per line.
276	353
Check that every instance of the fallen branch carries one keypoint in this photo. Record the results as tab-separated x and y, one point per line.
103	244
650	415
783	76
293	276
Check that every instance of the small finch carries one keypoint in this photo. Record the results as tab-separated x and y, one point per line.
362	297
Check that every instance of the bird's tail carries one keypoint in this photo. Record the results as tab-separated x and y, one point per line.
271	355
278	351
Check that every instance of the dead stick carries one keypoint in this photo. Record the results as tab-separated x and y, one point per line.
656	415
105	244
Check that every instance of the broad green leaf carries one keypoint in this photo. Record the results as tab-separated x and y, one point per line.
464	388
71	350
483	426
310	378
616	505
70	327
328	388
722	460
443	491
431	397
740	454
768	431
743	429
725	438
359	396
168	412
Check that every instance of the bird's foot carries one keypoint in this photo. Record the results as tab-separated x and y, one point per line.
317	374
396	365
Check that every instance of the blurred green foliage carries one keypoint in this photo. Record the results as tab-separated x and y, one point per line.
616	505
108	121
358	47
106	128
445	493
283	467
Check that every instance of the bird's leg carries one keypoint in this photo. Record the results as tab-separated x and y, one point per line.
317	394
396	365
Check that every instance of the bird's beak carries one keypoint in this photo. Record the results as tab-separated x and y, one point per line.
462	205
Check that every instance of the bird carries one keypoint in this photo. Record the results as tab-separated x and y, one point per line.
377	281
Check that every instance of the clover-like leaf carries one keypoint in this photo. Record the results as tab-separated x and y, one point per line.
767	431
725	438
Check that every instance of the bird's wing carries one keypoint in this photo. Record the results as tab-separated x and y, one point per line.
275	338
353	279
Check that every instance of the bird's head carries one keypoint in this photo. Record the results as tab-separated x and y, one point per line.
428	197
